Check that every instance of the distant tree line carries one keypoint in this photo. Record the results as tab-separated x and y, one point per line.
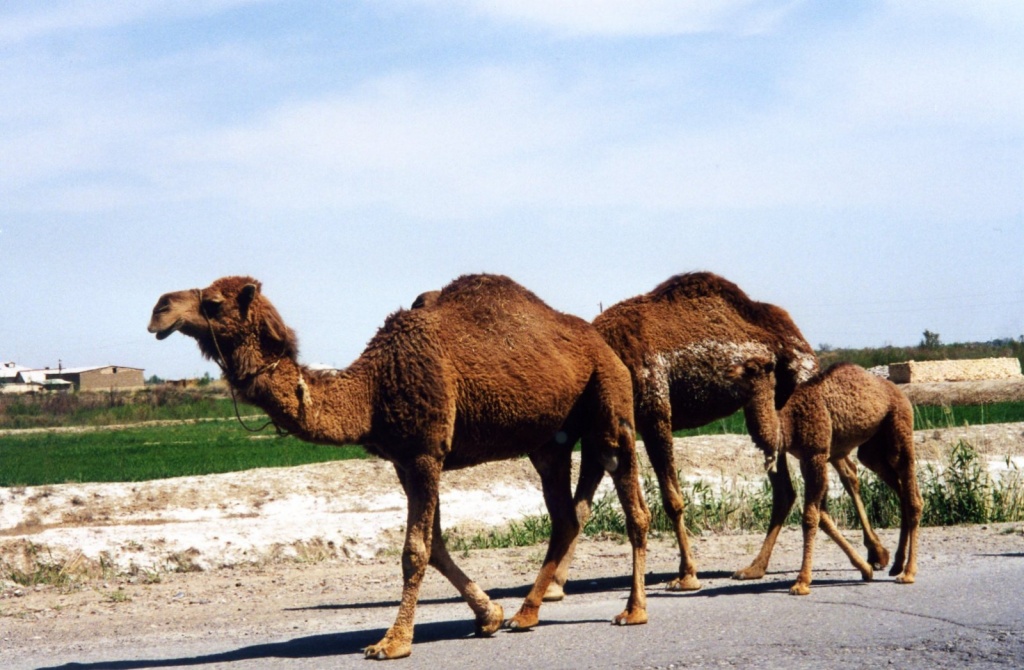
930	348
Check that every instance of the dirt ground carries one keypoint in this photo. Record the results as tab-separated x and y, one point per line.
195	555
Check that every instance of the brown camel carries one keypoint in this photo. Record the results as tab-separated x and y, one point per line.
485	371
680	342
825	419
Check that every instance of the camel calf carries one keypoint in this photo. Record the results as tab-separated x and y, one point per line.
826	418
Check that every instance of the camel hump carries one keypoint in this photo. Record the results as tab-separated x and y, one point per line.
486	286
694	285
698	285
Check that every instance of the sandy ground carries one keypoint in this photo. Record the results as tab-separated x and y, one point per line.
187	553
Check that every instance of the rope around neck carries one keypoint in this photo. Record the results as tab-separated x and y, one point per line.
222	363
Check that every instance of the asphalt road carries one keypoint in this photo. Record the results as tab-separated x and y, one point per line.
960	613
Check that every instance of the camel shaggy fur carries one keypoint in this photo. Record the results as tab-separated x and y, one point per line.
680	342
825	419
482	371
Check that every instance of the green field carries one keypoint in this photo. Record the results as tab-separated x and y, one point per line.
152	452
217	444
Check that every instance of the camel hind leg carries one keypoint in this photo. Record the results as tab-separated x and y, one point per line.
878	555
591	473
638	521
554	464
891	455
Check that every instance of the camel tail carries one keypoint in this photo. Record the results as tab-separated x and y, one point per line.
610	454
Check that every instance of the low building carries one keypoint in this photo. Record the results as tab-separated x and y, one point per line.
105	378
101	378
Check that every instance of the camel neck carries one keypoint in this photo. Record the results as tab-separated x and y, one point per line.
316	406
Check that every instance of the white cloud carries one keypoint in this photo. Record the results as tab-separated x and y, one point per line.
611	18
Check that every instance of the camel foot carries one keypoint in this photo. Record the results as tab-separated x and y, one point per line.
389	647
489	624
526	618
878	559
905	579
752	572
554	593
684	583
800	589
631	618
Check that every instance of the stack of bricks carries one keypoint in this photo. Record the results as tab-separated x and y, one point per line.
918	372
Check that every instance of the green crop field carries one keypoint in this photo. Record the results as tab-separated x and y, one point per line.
152	452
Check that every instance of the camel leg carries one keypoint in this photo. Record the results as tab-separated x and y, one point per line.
814	469
826	523
591	473
911	506
554	464
658	441
878	555
877	455
638	521
893	457
489	614
783	497
420	480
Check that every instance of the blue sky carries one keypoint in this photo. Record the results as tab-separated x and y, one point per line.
859	164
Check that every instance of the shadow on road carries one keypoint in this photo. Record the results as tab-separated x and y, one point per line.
313	646
340	644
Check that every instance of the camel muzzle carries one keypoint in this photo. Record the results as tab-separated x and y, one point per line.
162	334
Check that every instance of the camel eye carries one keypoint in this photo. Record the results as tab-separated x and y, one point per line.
211	307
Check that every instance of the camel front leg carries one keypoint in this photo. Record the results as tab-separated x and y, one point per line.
826	523
489	614
783	497
878	555
658	442
420	480
814	470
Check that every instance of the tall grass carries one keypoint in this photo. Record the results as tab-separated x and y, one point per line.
56	410
961	491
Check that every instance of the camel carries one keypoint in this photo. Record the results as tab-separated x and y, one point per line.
483	371
680	342
825	419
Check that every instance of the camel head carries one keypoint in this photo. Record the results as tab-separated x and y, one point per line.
231	321
755	373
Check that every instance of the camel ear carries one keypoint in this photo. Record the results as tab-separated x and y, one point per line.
245	298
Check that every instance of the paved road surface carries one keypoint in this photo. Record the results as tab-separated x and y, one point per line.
969	614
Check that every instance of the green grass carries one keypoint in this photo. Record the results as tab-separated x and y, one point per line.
152	452
925	417
928	416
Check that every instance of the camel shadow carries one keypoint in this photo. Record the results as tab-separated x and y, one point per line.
310	647
620	584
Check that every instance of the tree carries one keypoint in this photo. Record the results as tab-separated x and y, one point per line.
931	340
